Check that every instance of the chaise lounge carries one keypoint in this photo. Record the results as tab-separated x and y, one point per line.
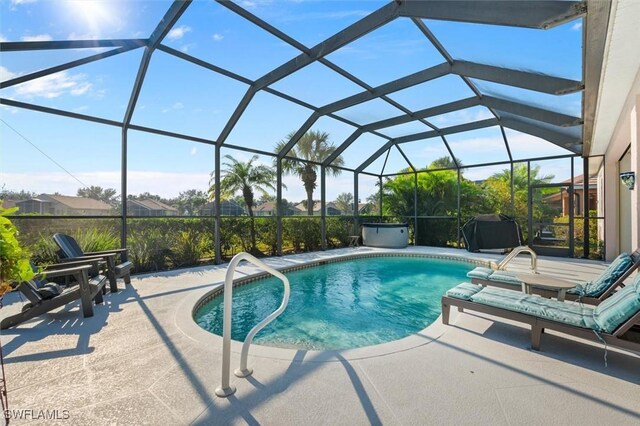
614	321
70	251
45	296
592	292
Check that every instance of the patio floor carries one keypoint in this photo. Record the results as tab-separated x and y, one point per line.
140	360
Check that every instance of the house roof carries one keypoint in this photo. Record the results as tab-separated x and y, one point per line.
316	206
154	204
78	203
266	207
271	206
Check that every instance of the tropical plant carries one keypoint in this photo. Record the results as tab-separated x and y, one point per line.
497	189
445	162
245	178
312	148
107	195
191	201
344	202
14	259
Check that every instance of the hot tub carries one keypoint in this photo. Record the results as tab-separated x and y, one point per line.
389	235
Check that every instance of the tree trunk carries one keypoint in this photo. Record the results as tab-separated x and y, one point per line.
252	230
309	179
247	193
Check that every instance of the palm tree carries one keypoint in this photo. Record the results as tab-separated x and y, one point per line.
246	178
312	146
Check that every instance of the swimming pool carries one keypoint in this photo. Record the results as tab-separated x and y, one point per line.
341	305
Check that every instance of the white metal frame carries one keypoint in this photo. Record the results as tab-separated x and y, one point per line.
225	389
516	251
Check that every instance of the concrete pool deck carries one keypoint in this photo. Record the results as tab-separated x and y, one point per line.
140	360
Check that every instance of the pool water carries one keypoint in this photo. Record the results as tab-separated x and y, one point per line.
341	305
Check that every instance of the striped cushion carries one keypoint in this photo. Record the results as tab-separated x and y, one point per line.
464	291
507	277
614	311
616	269
480	272
575	314
489	274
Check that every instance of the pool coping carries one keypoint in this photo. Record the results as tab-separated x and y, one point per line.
185	312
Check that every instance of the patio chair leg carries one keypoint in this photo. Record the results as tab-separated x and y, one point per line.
98	299
127	279
85	295
445	314
111	274
536	335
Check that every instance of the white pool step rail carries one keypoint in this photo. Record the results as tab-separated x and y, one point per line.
225	389
516	251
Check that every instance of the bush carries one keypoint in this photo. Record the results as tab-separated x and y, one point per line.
45	250
302	233
157	244
596	245
188	248
338	231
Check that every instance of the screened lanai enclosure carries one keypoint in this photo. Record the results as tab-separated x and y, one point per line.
132	123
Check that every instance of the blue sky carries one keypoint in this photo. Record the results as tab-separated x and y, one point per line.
181	97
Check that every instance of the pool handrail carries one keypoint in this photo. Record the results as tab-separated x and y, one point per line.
516	251
225	389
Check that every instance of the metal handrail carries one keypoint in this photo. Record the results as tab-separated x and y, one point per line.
516	251
225	389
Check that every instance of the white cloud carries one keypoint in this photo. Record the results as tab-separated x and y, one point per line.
38	37
3	39
576	26
217	37
186	47
5	74
19	2
462	116
193	151
178	32
177	105
162	183
54	85
85	36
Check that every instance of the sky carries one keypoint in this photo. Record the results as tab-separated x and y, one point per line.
46	153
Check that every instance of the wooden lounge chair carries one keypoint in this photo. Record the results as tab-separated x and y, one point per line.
71	251
44	296
615	321
593	292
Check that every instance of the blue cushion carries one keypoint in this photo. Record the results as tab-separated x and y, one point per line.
614	271
464	291
480	272
575	314
507	277
617	309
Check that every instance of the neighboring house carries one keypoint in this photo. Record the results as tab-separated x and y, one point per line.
7	204
63	205
269	209
227	208
561	198
330	209
149	207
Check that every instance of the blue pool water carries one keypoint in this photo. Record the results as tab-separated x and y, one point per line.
341	305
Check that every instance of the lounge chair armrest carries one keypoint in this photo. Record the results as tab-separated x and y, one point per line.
85	258
114	251
95	262
63	272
